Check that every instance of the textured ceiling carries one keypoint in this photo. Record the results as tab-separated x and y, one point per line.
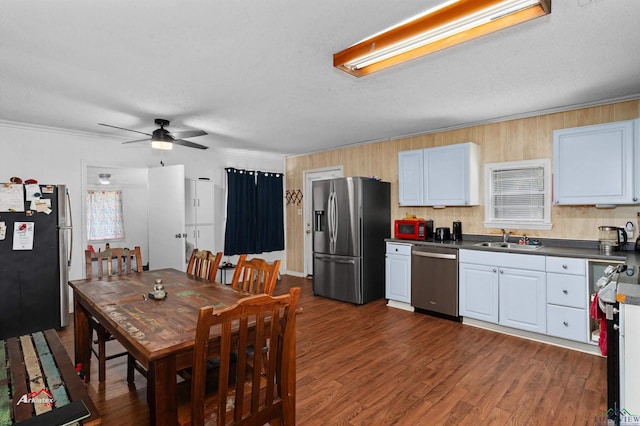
258	75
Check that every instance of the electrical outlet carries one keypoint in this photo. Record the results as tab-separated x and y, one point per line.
629	229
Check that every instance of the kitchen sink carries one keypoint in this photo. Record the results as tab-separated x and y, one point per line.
508	246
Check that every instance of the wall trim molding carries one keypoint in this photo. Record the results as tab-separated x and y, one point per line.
500	119
57	130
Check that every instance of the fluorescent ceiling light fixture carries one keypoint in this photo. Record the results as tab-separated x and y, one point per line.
446	25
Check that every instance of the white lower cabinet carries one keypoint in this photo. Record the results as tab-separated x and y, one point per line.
523	299
398	272
567	297
478	286
201	236
568	323
504	288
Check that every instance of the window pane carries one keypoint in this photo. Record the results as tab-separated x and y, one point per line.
104	215
518	193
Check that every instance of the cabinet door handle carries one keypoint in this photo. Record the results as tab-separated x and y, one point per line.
565	291
501	271
566	323
564	266
495	270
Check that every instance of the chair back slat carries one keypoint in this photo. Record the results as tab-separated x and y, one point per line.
204	264
255	276
124	258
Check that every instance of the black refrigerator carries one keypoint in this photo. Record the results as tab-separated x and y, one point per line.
352	218
35	254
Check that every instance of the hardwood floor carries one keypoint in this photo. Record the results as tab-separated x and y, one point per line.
375	365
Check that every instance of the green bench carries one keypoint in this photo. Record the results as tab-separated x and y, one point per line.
39	384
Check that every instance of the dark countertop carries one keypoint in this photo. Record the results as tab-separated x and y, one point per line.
628	291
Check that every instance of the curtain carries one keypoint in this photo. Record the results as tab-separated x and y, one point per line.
255	217
270	216
104	215
241	206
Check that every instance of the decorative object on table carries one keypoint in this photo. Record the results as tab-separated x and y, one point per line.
158	292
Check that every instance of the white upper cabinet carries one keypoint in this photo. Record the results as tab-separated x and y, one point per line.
199	202
452	175
442	176
595	164
199	215
410	167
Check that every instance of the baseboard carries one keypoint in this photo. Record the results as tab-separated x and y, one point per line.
400	305
550	340
295	274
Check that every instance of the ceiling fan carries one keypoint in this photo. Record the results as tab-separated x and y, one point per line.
163	139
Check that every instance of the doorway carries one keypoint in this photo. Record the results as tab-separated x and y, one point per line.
309	177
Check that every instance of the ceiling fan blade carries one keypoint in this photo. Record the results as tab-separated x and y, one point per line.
187	134
189	144
138	140
122	128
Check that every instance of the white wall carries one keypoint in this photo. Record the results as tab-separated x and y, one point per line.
58	156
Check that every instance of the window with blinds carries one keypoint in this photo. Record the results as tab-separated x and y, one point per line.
518	194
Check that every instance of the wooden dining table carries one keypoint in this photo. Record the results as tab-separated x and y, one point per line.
158	333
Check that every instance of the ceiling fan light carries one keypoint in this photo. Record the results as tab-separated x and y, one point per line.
161	144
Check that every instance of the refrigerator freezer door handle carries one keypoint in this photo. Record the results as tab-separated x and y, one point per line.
331	221
335	218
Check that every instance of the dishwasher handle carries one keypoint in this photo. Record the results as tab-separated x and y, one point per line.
435	255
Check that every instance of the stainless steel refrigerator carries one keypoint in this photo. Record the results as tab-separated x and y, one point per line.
352	218
35	254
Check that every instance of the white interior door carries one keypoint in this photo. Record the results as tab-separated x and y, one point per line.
309	177
167	232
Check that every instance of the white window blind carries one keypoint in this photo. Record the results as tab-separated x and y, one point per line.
518	194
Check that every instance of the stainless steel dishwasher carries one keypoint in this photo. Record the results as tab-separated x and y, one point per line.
434	280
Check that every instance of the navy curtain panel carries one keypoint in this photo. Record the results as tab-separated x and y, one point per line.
255	217
239	235
270	216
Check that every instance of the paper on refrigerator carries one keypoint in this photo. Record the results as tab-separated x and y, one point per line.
23	235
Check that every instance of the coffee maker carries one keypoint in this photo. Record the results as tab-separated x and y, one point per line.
457	231
612	238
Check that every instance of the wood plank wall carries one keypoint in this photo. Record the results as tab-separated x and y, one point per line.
513	140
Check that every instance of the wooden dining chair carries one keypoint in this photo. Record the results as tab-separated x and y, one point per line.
241	397
204	264
255	276
126	261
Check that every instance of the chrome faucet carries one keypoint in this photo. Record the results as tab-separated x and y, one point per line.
505	236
